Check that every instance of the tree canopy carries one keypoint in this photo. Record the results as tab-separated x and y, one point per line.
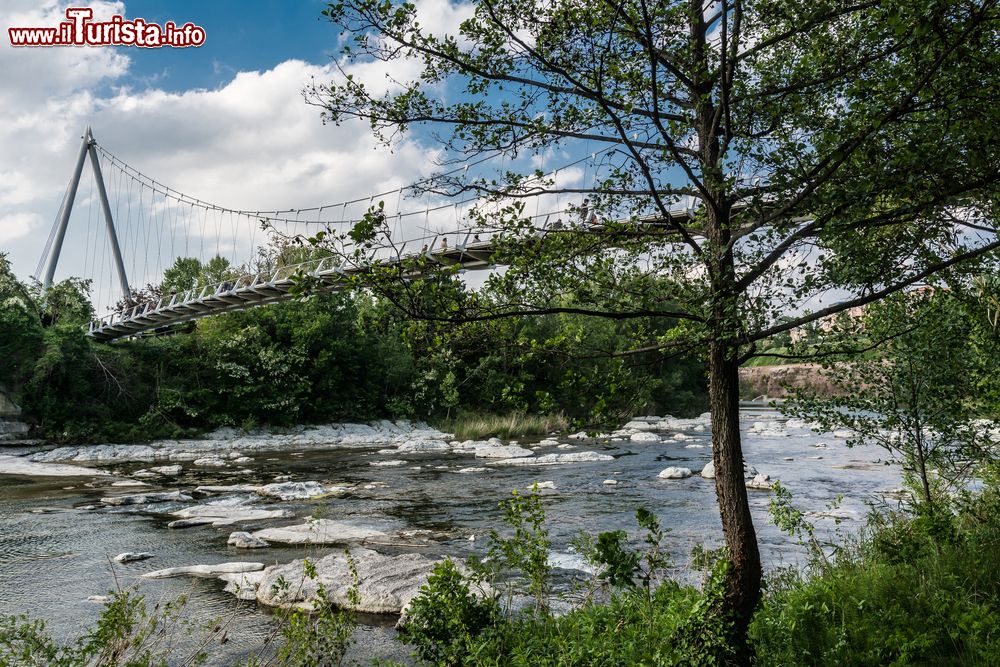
831	152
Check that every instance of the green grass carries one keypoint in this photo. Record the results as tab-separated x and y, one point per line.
474	426
909	594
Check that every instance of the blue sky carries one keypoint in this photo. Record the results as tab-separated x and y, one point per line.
241	36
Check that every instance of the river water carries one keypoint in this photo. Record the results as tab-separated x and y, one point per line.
55	548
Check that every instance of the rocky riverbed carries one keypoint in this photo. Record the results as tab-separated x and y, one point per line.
222	518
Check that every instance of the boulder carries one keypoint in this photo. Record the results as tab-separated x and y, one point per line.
555	459
228	488
204	571
387	464
760	481
708	472
322	531
542	485
211	462
610	482
132	556
147	498
386	584
19	465
643	436
639	425
242	584
224	515
243	540
423	446
674	473
169	471
296	490
490	451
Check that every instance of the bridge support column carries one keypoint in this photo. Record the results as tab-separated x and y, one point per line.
62	219
112	235
67	207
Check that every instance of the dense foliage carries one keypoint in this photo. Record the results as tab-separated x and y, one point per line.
326	358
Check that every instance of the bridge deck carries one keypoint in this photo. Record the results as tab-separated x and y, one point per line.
251	291
261	289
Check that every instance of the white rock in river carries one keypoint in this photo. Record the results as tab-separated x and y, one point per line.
502	452
543	485
321	531
637	425
296	490
387	464
643	436
146	498
471	470
554	459
168	471
708	472
243	540
422	446
548	442
131	557
204	570
129	483
100	599
386	584
227	488
610	482
211	462
760	481
242	584
224	515
674	473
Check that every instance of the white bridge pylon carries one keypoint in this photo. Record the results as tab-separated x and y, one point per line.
50	255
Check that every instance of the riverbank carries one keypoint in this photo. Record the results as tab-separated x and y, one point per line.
391	489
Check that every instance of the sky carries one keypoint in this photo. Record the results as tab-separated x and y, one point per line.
225	122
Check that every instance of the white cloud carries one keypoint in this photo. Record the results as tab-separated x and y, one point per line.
18	225
251	144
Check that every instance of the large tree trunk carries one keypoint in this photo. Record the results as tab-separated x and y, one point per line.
744	575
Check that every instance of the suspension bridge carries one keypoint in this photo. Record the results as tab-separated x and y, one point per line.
150	225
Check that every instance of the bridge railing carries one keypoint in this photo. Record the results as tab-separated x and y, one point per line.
386	253
282	274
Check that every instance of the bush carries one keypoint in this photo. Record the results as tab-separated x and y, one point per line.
915	590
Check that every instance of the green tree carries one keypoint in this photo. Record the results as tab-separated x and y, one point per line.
824	144
20	328
916	396
183	275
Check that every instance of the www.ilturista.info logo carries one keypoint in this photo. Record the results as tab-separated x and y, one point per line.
79	30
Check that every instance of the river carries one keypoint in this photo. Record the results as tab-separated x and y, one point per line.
56	538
